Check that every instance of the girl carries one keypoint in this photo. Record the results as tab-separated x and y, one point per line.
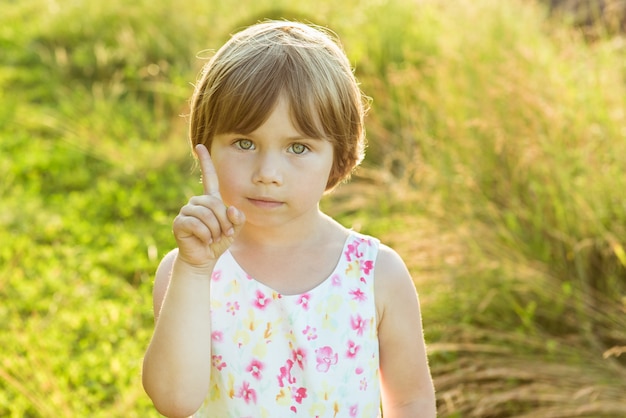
268	307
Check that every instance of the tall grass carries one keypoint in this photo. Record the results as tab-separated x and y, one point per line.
511	132
497	151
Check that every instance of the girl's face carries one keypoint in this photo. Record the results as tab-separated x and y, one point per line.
274	174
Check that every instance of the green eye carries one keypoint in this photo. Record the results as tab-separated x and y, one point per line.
245	144
298	148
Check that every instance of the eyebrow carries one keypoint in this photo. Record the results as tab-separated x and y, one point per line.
299	137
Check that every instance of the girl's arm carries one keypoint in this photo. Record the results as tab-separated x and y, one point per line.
407	387
177	364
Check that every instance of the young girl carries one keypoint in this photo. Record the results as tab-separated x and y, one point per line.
268	307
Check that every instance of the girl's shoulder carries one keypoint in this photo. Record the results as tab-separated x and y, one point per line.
389	264
392	278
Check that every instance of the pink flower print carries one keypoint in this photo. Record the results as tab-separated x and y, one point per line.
255	368
217	336
217	274
367	266
311	333
325	358
299	395
298	356
232	307
358	324
247	393
354	410
304	301
285	374
261	300
353	349
353	249
336	280
359	370
363	384
217	362
359	295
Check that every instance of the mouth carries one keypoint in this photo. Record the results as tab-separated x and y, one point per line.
265	202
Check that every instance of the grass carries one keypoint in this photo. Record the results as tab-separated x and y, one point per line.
495	167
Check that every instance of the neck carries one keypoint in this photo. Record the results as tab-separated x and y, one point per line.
286	236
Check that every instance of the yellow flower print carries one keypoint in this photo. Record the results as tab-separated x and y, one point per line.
353	271
231	386
327	390
260	349
318	409
284	396
232	288
250	321
331	305
329	322
242	337
214	392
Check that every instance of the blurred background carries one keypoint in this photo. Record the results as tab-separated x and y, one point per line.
496	167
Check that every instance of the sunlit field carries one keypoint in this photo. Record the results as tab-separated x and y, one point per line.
496	167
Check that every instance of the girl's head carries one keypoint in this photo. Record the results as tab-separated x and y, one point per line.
242	82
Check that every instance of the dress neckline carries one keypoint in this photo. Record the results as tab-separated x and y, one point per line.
349	239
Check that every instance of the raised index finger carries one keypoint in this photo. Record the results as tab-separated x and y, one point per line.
210	182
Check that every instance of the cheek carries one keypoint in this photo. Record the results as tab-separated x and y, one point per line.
333	177
334	172
321	178
229	183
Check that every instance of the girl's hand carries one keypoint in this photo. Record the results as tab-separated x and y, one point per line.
206	227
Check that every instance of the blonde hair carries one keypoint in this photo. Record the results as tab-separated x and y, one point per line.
242	82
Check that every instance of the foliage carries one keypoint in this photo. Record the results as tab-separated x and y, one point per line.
495	167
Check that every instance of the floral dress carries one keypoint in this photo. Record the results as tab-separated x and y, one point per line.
308	355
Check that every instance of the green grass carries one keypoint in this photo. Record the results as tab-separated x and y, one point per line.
497	150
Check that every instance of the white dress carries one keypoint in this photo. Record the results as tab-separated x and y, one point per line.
309	355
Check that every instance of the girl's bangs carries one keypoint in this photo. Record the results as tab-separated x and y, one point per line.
248	103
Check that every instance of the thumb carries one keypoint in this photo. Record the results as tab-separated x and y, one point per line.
237	217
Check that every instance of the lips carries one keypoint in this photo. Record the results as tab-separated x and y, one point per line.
265	202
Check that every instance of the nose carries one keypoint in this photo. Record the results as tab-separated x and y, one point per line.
268	169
